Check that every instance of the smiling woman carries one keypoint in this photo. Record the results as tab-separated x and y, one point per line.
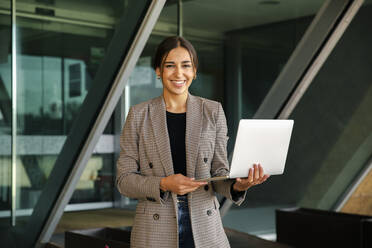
175	210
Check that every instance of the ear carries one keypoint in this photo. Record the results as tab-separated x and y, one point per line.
157	71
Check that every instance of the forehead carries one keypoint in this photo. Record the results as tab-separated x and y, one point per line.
178	54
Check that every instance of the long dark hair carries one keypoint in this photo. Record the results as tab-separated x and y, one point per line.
170	43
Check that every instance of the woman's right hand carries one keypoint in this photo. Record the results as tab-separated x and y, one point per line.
179	184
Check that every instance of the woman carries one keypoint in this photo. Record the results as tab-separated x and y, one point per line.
166	144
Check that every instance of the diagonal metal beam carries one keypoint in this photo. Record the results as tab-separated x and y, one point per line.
320	59
104	113
320	31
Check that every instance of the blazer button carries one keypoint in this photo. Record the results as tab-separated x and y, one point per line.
150	165
205	160
156	216
206	187
209	212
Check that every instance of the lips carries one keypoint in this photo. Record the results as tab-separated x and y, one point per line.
178	83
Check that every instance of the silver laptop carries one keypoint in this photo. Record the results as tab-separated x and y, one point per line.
259	141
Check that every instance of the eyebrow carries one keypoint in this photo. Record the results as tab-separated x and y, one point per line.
183	62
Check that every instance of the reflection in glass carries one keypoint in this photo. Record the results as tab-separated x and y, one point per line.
60	46
97	181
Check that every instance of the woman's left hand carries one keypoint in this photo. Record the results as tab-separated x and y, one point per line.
255	176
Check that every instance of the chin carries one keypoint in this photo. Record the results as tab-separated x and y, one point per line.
178	92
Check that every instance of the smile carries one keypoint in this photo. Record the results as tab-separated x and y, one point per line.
178	82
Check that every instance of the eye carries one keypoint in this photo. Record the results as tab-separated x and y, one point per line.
169	66
187	66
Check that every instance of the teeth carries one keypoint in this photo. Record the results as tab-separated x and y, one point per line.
179	82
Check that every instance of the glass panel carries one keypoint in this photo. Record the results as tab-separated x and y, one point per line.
97	181
5	111
143	84
60	45
332	136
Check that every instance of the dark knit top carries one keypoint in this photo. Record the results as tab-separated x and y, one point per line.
176	123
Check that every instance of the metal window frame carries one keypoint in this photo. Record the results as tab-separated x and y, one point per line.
305	62
14	116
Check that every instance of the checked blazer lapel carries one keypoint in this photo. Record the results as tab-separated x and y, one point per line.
194	120
159	126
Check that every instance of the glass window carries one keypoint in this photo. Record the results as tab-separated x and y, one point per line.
60	47
332	136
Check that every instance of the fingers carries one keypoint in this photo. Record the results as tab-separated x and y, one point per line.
255	176
191	183
182	185
265	177
256	172
185	190
250	175
261	173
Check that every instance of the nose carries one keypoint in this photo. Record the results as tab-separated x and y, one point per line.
178	71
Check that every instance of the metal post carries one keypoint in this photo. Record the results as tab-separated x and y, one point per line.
14	117
179	18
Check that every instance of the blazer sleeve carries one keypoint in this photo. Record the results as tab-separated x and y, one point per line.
129	180
220	165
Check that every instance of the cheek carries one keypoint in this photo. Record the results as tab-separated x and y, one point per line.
190	75
166	74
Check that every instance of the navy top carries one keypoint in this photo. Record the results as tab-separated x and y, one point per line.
176	123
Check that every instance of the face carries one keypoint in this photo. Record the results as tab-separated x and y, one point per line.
178	72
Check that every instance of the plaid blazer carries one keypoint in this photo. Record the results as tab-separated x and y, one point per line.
145	158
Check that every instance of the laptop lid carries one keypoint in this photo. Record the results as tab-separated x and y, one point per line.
261	141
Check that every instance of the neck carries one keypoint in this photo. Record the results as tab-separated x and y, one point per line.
175	103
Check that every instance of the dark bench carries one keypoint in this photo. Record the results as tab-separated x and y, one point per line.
302	227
